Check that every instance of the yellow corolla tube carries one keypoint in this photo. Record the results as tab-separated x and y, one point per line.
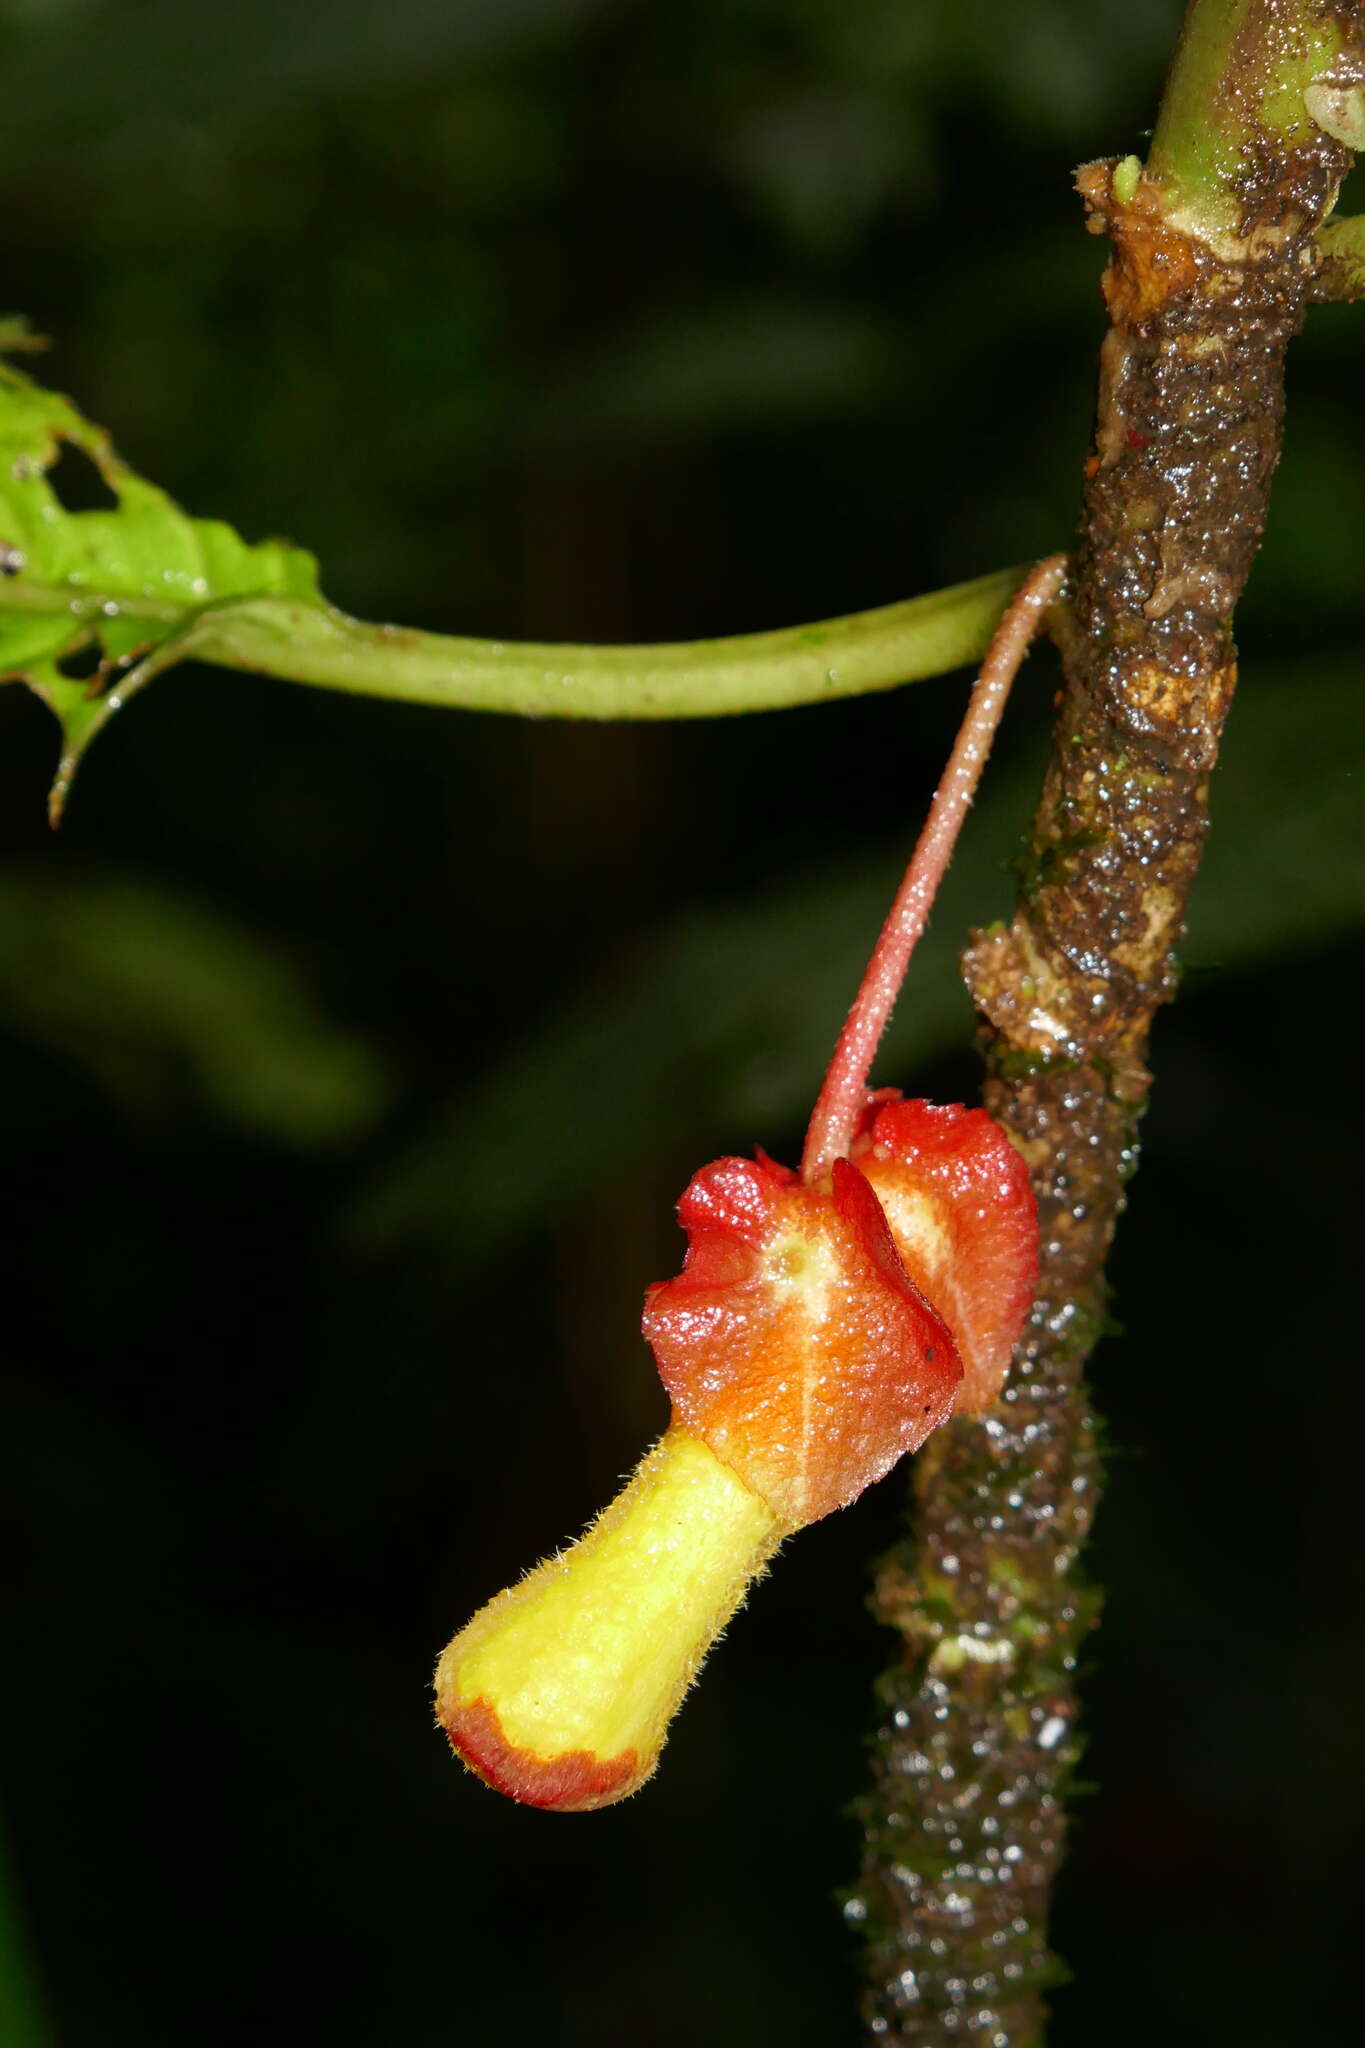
559	1692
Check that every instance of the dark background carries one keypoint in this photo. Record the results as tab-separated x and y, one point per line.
354	1056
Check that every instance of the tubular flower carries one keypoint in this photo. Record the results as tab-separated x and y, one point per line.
560	1691
822	1325
802	1362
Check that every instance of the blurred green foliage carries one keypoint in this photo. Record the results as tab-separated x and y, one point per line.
724	1025
165	1005
355	1055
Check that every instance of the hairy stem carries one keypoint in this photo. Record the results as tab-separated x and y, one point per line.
1210	271
842	1094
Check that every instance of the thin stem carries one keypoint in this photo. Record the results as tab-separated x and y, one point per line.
303	641
873	650
840	1102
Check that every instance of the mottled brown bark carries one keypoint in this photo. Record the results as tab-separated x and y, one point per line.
964	1819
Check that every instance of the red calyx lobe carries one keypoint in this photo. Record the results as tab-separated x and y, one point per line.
957	1197
793	1342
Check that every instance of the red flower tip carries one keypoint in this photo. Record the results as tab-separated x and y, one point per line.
575	1781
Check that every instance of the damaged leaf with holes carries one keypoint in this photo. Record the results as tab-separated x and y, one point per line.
95	603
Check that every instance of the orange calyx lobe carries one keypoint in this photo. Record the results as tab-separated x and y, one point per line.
957	1197
793	1342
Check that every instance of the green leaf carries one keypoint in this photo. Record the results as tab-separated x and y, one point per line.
117	593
